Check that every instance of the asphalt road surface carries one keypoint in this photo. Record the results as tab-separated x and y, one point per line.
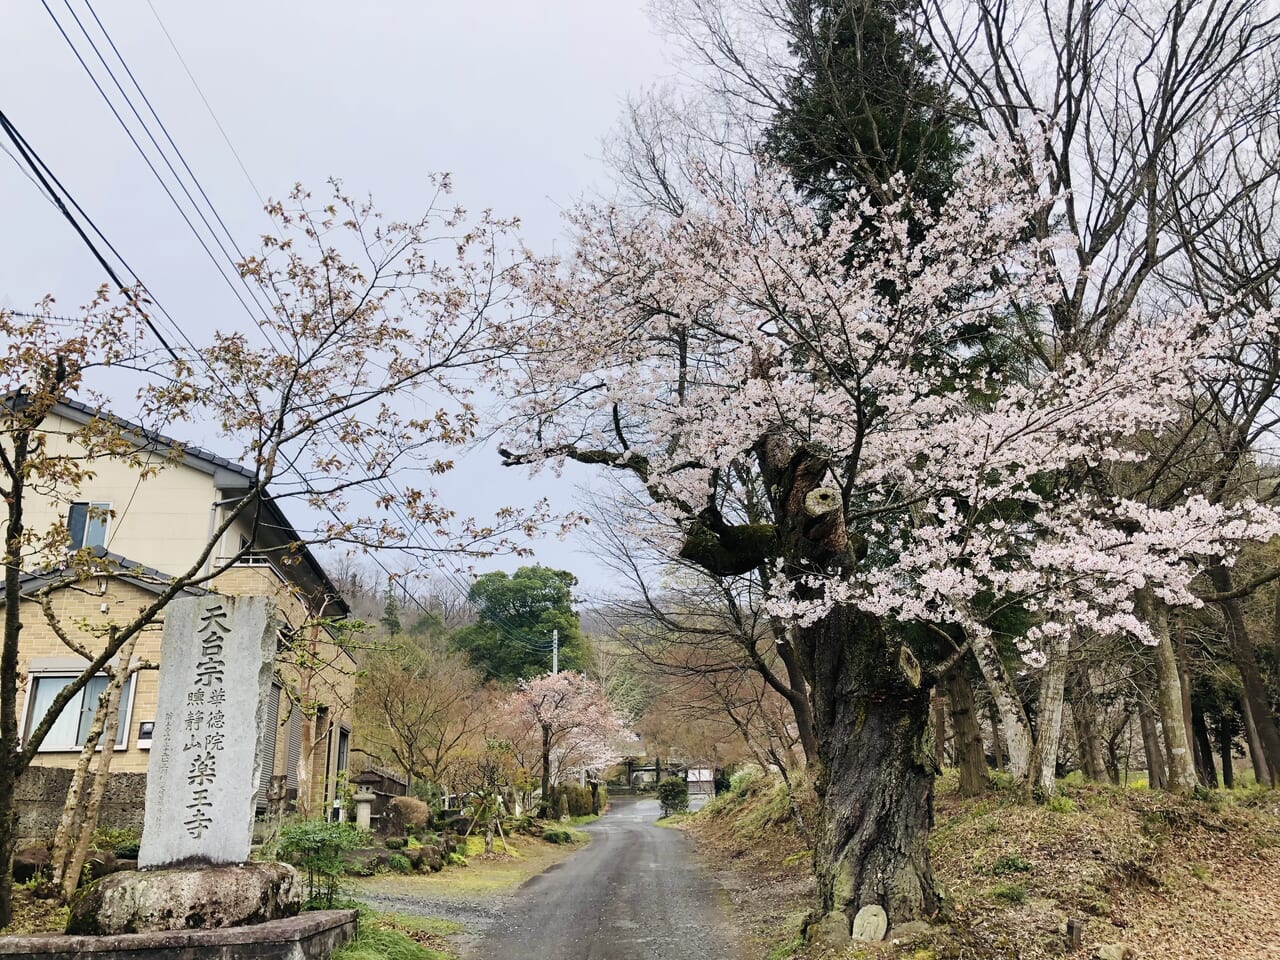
634	893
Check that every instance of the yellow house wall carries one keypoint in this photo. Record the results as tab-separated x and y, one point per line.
80	609
161	521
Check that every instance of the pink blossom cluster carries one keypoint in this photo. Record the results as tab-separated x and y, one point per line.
587	733
682	344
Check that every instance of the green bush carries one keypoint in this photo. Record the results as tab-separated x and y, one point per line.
1009	893
673	794
317	847
556	835
122	841
399	863
745	779
1060	804
395	843
1010	863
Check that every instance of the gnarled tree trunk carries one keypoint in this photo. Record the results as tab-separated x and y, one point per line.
875	777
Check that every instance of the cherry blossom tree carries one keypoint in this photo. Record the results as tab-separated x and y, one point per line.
359	374
819	401
579	729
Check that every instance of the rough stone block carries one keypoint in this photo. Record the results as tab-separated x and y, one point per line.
183	899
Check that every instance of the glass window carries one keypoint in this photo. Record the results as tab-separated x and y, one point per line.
72	726
87	524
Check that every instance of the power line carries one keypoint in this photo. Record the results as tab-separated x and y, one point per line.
145	157
412	529
38	167
205	100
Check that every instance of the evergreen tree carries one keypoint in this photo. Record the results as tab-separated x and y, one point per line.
517	614
863	105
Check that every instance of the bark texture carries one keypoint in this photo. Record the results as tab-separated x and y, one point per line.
971	758
1246	660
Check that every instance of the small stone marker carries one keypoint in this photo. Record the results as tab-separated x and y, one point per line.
871	923
215	680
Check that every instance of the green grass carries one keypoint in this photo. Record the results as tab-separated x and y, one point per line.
379	939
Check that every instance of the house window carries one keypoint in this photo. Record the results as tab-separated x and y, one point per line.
87	524
72	726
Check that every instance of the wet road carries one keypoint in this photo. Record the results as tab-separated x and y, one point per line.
634	893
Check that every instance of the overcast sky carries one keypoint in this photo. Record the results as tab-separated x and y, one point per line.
513	97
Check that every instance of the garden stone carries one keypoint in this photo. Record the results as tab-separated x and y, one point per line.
831	932
1115	951
870	923
186	898
29	863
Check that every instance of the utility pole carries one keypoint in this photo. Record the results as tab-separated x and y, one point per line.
555	651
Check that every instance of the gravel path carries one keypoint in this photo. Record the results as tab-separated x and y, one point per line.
634	893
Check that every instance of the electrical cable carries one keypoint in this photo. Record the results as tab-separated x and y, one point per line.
504	626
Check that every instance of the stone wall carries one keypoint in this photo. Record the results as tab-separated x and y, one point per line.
43	790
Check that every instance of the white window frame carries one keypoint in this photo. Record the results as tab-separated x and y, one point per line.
30	722
96	509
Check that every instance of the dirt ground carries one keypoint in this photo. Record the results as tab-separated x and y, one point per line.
1165	877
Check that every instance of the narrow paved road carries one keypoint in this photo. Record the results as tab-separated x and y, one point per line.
634	893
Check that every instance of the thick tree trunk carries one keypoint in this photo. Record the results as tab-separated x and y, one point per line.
997	751
1084	716
1053	685
1228	762
1019	743
1152	748
1246	660
1178	752
1260	772
1205	769
544	806
971	758
875	777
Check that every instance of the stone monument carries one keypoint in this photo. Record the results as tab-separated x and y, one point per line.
216	660
215	682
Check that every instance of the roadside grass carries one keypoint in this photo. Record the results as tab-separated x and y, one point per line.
395	936
493	873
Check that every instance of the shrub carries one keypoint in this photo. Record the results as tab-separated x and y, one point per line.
395	843
399	863
404	814
317	846
556	835
745	779
673	794
122	841
1061	804
1010	863
1009	893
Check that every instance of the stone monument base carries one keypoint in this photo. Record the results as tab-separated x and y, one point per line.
310	936
195	898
